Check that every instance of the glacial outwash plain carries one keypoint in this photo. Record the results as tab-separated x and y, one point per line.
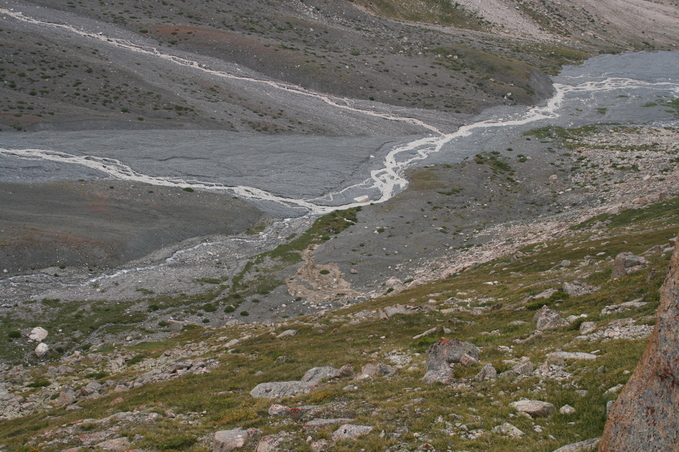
333	225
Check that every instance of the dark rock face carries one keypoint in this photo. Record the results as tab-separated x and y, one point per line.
646	415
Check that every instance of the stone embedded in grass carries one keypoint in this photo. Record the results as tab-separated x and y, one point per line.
577	288
561	357
509	430
442	354
281	389
278	410
535	408
318	374
41	350
468	361
90	388
548	319
38	334
487	373
287	333
626	263
372	370
449	351
589	445
634	304
567	409
227	440
271	443
524	367
115	444
587	327
349	431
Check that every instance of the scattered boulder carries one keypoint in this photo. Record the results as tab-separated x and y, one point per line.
577	288
278	410
115	445
41	349
441	357
38	334
445	352
281	389
567	409
548	319
287	333
399	359
270	443
487	373
468	361
587	327
443	376
626	263
634	304
647	410
426	333
348	431
321	423
372	370
509	430
227	440
318	374
589	445
561	357
393	310
175	326
90	388
524	367
322	445
535	408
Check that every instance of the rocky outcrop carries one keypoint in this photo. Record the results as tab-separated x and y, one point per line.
281	389
535	408
226	440
548	319
443	354
646	414
626	263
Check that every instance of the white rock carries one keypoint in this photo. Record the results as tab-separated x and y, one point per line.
38	334
535	408
348	431
41	350
567	409
509	430
613	390
560	357
287	333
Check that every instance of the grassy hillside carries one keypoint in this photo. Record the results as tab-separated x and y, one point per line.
491	305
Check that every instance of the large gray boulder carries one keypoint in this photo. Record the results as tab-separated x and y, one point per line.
646	414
